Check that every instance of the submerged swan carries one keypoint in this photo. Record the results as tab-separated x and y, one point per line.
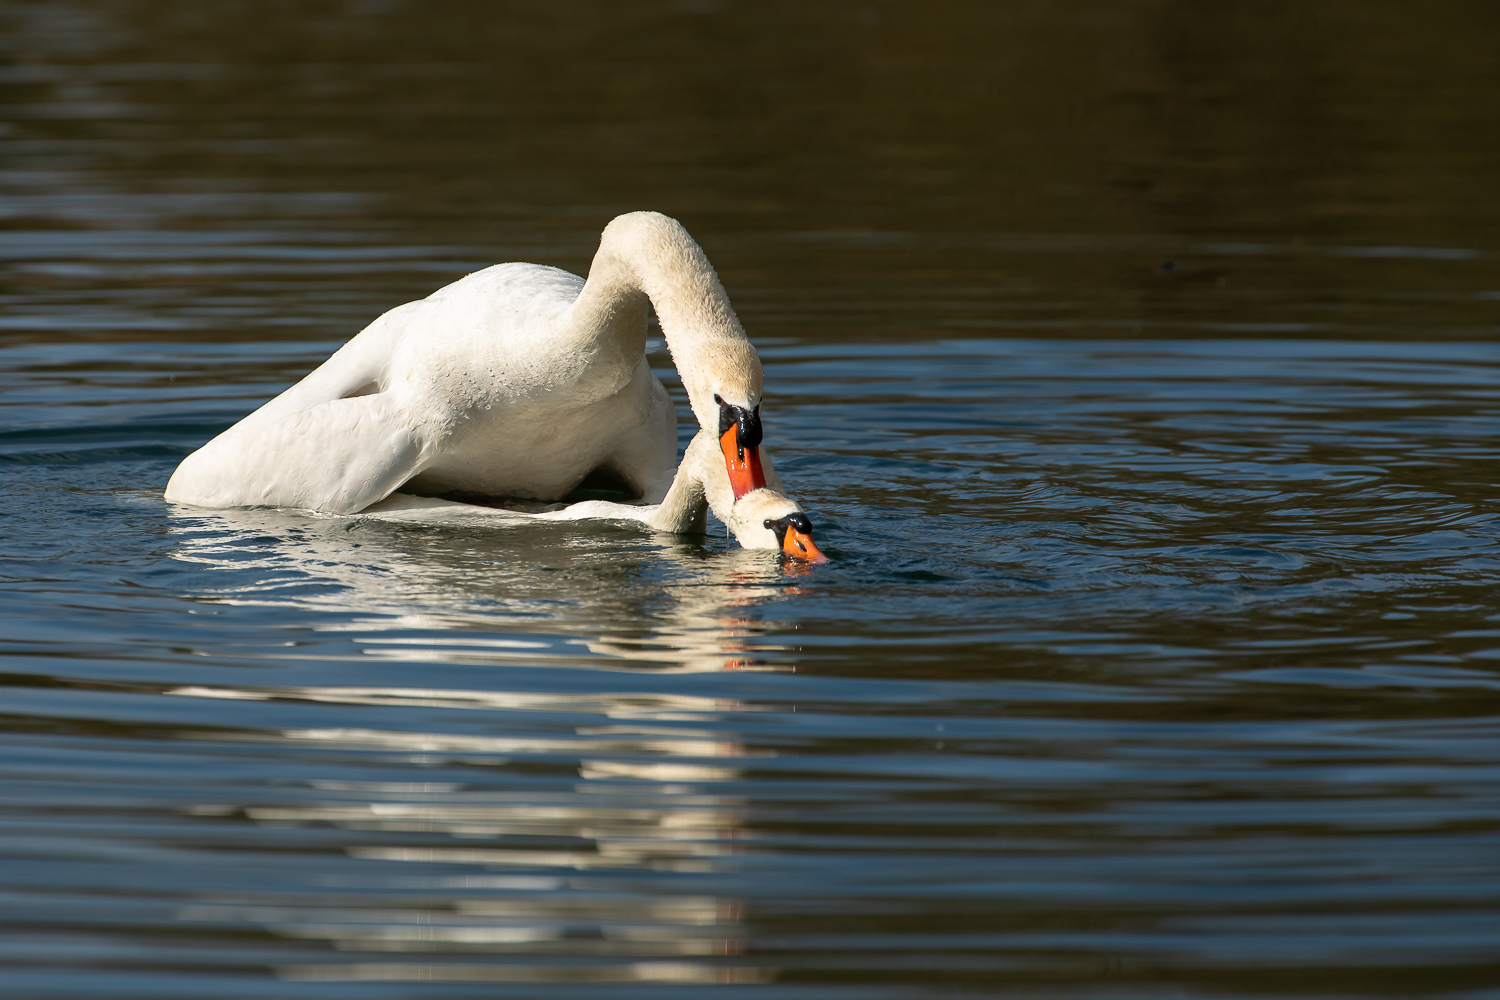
518	380
764	518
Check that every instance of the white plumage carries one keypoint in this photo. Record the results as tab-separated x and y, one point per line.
518	380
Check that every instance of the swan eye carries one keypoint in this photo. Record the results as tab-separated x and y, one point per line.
769	523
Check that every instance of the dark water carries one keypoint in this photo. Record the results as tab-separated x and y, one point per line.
1138	363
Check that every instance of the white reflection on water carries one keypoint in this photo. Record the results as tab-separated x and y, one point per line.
565	595
538	879
540	871
515	873
639	972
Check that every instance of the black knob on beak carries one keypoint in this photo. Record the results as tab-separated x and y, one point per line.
747	421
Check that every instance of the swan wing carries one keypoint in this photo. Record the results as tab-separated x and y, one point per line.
599	510
337	456
435	511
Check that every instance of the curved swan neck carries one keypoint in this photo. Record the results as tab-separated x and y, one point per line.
645	255
694	489
684	509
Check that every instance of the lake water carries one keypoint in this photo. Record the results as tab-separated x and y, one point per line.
1136	362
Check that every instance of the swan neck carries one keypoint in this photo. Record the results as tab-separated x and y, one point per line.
609	314
644	256
685	507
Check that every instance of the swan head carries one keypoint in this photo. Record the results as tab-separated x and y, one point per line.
766	519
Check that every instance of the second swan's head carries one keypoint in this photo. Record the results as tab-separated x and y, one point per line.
766	519
759	519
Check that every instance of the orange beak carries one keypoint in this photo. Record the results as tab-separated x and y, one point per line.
745	473
799	545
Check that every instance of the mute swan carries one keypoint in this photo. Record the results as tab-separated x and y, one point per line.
764	518
518	380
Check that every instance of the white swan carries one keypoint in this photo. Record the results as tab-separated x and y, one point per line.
764	518
518	380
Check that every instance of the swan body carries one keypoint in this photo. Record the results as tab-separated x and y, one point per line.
518	380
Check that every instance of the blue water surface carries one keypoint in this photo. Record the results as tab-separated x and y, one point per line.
1136	362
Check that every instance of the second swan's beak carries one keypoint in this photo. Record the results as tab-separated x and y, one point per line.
739	439
795	532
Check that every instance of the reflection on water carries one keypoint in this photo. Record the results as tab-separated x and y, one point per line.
548	581
545	873
649	767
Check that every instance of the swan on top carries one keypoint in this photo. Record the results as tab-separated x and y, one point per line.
764	518
518	380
